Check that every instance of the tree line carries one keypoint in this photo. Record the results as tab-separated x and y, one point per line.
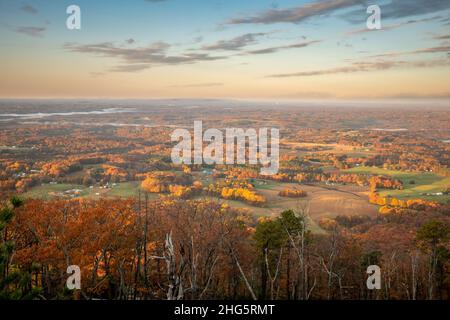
201	249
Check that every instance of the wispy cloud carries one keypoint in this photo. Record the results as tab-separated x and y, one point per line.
31	31
394	25
29	9
391	10
130	67
236	43
137	59
297	14
444	48
395	9
444	37
366	67
278	48
199	85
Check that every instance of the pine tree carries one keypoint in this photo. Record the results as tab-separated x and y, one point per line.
15	284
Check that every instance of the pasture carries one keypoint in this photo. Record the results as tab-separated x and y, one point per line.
416	185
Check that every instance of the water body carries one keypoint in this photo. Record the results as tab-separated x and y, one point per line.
102	124
390	130
40	115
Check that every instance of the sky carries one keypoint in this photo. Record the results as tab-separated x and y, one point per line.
247	49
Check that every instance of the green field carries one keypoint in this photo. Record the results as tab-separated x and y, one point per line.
43	191
265	184
423	183
122	190
125	190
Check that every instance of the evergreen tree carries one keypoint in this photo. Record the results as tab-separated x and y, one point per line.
15	284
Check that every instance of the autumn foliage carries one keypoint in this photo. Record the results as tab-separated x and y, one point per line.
293	193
